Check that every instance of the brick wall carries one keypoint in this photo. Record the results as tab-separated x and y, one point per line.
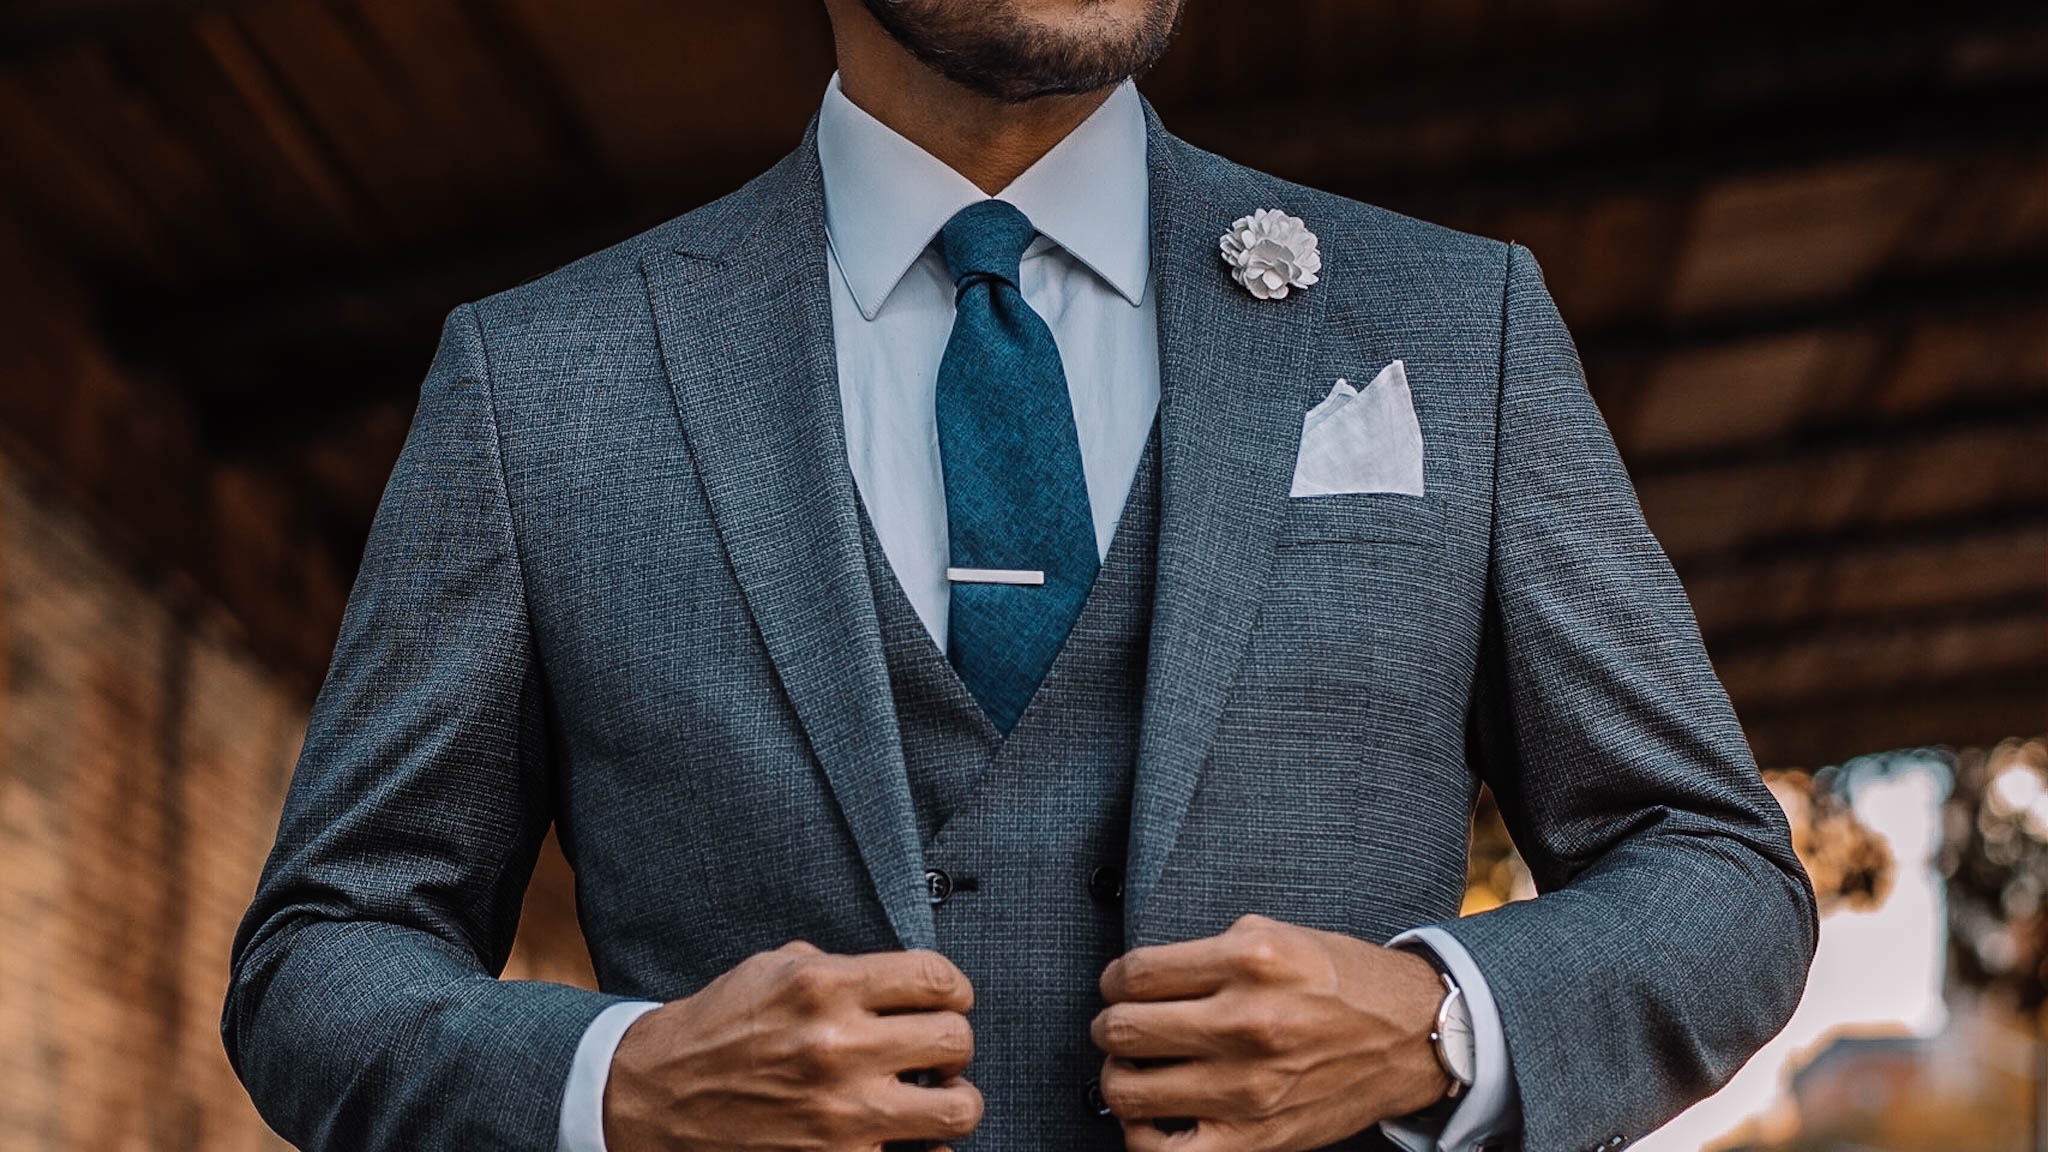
145	757
144	753
163	618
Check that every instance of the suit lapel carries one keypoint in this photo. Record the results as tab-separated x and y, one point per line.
744	319
750	358
1231	384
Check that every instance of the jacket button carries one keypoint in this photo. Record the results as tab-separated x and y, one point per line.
1095	1101
1106	884
938	887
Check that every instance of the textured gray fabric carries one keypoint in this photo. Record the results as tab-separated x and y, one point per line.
1020	824
618	582
948	741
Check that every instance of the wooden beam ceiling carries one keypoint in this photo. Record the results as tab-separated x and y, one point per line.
1799	241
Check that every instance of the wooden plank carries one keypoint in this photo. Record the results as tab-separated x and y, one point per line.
1906	477
2001	280
1974	712
1908	340
475	100
1762	241
119	122
1883	655
1839	581
1663	114
285	128
1695	401
94	213
1819	384
666	89
364	122
275	213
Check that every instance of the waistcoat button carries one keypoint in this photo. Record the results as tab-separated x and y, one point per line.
1106	884
938	887
1095	1102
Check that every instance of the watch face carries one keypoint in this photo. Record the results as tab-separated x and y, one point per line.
1459	1045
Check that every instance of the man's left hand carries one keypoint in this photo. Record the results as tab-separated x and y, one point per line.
1269	1038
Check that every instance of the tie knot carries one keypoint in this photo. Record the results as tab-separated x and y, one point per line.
986	239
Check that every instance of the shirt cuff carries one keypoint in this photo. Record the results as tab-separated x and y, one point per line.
582	1125
1491	1106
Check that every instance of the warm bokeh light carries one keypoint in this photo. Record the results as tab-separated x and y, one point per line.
1892	1046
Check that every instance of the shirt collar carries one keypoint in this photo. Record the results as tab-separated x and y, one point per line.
886	198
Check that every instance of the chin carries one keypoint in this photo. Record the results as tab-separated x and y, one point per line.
1023	49
1082	18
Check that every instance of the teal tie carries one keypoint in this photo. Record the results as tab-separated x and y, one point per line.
1016	498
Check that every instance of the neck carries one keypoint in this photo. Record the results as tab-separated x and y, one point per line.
990	142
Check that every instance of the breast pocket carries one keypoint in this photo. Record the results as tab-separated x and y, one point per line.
1359	517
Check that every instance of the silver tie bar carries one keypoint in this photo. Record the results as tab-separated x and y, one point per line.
995	576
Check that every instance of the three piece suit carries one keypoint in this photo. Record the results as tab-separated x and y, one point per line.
621	583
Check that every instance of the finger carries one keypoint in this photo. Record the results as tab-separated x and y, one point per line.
1151	1031
946	1112
912	982
801	948
941	1042
1170	971
1146	1136
1191	1089
1141	1136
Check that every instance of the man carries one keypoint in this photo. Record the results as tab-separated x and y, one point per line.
1008	613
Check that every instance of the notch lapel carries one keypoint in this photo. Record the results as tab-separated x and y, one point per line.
744	317
1232	372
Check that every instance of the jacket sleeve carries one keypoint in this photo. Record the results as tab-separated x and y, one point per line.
363	1011
1674	927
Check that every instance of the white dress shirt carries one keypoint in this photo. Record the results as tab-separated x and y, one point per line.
892	311
1087	275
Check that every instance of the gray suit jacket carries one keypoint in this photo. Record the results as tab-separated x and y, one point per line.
617	583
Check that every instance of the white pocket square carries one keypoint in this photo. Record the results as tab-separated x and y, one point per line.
1362	440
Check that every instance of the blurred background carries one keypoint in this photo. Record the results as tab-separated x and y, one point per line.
1803	244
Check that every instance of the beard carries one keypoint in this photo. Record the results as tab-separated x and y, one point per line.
993	48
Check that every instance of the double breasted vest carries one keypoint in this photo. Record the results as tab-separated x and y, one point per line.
1025	836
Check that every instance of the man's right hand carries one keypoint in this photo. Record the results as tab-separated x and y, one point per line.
798	1049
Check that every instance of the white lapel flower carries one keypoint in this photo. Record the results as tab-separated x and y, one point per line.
1270	252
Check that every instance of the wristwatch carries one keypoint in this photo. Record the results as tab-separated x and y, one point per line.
1457	1049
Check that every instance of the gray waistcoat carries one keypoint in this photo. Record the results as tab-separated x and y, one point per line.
1025	836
